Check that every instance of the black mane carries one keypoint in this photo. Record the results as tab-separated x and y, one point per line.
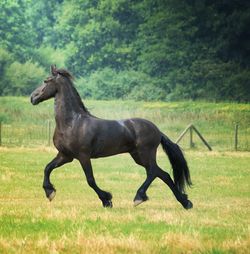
79	99
65	73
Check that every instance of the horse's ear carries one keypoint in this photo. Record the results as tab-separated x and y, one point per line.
53	70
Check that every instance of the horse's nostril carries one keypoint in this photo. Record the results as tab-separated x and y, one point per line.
33	99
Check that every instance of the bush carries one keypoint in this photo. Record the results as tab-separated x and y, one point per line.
103	84
47	56
22	79
5	60
147	92
238	87
109	84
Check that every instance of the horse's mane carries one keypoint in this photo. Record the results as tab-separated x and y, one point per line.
65	73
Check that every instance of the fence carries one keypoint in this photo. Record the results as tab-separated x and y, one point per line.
235	138
26	135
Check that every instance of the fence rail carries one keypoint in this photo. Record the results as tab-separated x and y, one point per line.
237	139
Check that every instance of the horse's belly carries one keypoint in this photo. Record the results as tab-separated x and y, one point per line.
111	148
108	153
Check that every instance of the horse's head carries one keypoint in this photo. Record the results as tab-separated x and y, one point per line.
47	90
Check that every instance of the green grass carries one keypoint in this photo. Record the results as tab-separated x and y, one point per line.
75	222
26	125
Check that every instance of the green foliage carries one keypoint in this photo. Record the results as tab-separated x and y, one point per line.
171	50
22	78
99	32
105	84
16	32
5	59
109	84
45	55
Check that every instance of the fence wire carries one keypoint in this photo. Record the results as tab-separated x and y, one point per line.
15	135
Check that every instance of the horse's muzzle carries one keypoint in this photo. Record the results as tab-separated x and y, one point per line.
34	99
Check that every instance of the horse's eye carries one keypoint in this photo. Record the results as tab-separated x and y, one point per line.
45	81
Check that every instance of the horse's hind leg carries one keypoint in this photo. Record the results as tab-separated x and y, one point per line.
141	195
181	197
147	160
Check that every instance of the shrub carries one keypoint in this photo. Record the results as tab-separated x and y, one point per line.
109	84
21	79
46	56
5	60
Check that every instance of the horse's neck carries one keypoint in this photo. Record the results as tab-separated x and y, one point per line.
67	106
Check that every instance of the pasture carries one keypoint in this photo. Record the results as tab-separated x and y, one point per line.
26	125
75	222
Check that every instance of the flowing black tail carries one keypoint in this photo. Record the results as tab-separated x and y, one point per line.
178	162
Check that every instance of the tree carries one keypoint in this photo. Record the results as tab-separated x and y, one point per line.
188	49
22	79
15	29
98	34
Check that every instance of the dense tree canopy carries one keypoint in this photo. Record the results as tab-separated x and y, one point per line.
139	49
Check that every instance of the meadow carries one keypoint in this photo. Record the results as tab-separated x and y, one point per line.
75	222
29	126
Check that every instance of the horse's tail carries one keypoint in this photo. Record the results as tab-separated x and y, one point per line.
178	162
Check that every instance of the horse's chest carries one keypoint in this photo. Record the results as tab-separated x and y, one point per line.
64	141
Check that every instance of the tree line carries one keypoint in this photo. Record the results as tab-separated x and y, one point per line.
129	49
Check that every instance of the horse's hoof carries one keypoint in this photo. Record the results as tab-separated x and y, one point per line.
189	205
140	198
107	203
139	201
52	195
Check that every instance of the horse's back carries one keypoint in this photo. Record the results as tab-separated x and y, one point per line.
119	136
110	137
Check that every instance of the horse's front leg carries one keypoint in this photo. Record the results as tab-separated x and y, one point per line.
104	196
58	161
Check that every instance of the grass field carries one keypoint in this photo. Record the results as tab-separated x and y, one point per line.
75	222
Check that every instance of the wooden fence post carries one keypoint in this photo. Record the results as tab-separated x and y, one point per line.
203	140
191	128
191	143
236	137
183	134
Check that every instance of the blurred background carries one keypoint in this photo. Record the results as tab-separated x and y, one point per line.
172	62
141	50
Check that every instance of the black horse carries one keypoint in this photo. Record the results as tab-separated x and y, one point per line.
82	136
